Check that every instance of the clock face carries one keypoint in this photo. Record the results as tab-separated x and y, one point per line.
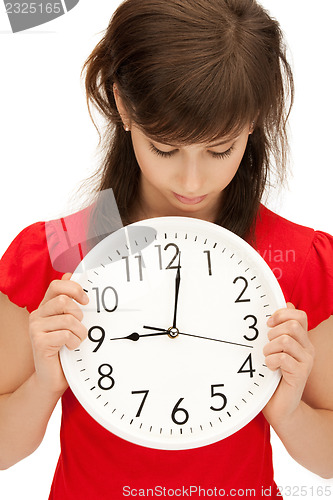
176	328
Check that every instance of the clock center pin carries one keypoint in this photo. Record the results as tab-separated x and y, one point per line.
173	332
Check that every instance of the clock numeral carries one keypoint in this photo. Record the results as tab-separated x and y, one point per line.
101	297
142	402
98	340
252	327
169	266
177	254
219	394
209	262
176	411
128	275
251	370
106	382
246	284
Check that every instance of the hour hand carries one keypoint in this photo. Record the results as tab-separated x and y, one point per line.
136	336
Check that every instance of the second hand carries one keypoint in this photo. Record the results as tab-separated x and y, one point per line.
199	337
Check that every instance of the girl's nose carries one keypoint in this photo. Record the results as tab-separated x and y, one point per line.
191	178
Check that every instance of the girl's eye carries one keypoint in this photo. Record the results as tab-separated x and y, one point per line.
225	154
164	154
168	154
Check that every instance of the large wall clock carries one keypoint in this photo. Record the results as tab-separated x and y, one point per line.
176	328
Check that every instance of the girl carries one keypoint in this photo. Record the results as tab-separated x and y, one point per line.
196	98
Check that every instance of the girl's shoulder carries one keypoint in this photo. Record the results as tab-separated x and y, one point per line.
40	253
276	233
279	237
272	228
302	261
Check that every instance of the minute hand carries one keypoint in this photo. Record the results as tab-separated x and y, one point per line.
177	283
200	337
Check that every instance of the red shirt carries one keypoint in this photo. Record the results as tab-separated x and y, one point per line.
95	464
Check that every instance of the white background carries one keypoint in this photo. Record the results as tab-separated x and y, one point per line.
48	146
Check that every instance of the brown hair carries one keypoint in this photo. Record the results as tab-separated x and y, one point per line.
191	71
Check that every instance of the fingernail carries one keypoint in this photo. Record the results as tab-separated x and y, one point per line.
270	322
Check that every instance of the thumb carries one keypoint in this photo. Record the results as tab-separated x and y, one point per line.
66	276
290	305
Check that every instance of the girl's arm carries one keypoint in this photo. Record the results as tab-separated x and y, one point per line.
301	410
31	378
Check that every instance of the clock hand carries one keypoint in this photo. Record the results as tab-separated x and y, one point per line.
216	340
197	336
136	336
177	283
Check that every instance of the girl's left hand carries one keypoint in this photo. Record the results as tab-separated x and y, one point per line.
290	350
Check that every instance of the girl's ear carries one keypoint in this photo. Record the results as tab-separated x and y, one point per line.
121	109
253	124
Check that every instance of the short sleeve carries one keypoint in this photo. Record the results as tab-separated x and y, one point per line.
313	292
25	268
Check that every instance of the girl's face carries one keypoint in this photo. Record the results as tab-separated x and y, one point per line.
185	180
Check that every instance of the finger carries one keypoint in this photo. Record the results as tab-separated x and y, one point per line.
65	322
54	341
285	343
282	360
62	304
286	314
62	322
66	287
292	328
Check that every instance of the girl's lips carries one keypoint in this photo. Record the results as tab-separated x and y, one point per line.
189	201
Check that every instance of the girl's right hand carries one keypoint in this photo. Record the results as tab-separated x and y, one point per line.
55	323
